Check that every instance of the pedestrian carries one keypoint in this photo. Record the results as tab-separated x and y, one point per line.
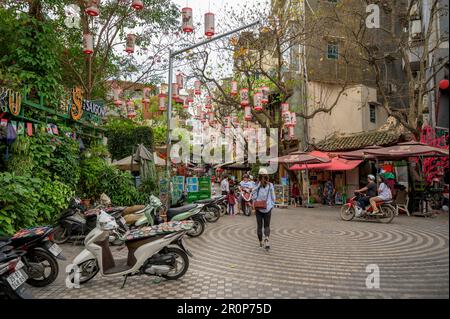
231	198
328	192
263	202
225	185
295	193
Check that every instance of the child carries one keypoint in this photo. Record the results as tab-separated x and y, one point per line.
231	202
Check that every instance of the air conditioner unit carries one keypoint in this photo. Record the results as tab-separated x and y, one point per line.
416	29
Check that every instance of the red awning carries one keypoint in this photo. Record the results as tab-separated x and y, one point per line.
336	164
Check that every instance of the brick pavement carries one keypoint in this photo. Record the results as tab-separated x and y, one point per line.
314	255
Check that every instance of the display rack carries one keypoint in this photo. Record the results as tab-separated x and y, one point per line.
281	196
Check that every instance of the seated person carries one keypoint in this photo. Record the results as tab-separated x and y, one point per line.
384	194
370	190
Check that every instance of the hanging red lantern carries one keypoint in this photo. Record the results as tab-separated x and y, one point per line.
162	102
208	104
191	96
244	97
186	103
180	80
92	8
131	113
187	24
137	5
265	94
257	101
443	84
234	88
131	39
116	92
197	87
247	113
146	98
284	107
88	43
209	24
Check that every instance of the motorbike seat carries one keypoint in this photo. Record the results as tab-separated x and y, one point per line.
204	201
171	212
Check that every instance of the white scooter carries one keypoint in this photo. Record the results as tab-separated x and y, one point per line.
158	255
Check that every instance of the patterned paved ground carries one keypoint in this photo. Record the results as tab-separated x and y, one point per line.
314	255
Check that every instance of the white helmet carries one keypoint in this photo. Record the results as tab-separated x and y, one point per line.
371	177
106	221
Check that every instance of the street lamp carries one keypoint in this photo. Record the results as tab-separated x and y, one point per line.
172	55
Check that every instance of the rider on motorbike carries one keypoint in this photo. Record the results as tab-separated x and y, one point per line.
370	190
248	184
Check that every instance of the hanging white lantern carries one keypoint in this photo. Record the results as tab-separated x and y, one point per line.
131	40
257	101
174	90
197	87
180	80
88	43
265	94
191	96
137	5
162	102
247	113
187	24
244	97
284	107
234	88
209	24
293	119
208	104
146	97
116	93
92	8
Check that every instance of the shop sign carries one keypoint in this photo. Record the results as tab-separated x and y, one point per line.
10	101
80	108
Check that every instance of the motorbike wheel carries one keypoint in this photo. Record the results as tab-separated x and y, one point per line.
39	261
197	229
247	210
7	293
60	235
180	258
223	209
388	214
88	270
347	213
212	214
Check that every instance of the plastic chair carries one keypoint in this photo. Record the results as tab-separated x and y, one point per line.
401	202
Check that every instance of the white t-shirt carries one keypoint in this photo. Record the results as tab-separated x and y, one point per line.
224	185
384	192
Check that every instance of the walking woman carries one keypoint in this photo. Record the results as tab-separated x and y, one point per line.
263	202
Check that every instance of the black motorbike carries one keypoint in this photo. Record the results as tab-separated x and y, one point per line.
41	254
76	222
12	273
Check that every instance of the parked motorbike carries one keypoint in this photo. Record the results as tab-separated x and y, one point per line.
151	216
386	215
12	273
210	206
246	202
40	254
162	255
76	222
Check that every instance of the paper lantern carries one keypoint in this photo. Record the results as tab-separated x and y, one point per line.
284	107
197	87
208	104
88	43
287	119
244	97
146	97
293	119
202	117
209	24
247	113
131	39
211	117
191	96
228	122
187	23
116	93
180	80
131	113
234	88
443	84
257	101
174	90
92	8
162	102
265	94
137	5
186	103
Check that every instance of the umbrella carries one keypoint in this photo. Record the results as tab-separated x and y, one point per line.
125	164
408	149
